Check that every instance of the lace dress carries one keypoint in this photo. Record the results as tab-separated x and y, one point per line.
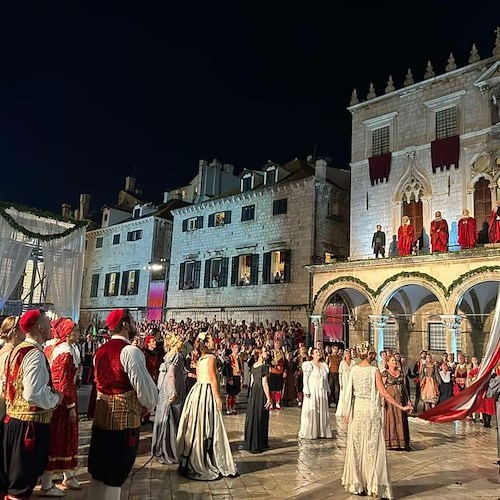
365	466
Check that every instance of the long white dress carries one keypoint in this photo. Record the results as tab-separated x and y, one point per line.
365	466
344	376
314	418
202	444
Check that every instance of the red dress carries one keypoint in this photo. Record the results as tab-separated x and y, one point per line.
494	230
406	239
467	234
63	452
439	236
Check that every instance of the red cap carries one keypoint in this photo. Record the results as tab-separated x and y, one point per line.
64	328
148	339
114	318
28	320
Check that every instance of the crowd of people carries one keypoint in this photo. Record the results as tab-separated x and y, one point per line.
409	243
182	370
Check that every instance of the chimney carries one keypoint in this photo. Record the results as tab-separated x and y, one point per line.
320	169
84	211
66	210
130	184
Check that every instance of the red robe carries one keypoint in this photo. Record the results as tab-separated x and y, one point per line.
494	230
439	236
63	452
467	234
406	239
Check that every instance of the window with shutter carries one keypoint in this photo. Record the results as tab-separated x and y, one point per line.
248	213
94	285
280	206
125	276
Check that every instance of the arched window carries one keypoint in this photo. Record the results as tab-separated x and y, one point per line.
482	202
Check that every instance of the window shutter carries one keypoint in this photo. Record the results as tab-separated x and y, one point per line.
117	284
211	220
125	276
136	282
197	272
223	271
234	270
254	270
227	217
106	286
288	254
184	225
206	277
199	222
266	271
181	275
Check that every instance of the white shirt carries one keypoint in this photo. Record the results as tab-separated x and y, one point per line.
134	365
36	389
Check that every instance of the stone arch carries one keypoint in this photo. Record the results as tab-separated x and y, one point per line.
337	285
412	182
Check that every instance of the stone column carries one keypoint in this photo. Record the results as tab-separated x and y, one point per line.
316	319
493	189
452	324
378	323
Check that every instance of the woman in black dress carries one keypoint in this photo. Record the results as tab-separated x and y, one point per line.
257	418
445	383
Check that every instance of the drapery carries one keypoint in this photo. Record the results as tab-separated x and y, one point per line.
445	153
468	400
15	250
380	168
63	258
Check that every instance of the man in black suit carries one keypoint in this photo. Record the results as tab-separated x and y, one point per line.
378	242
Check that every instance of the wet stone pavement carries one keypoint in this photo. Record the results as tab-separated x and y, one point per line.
455	460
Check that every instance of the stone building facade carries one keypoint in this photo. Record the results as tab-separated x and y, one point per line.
243	255
432	145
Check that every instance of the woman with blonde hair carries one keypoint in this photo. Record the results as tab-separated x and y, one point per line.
365	466
171	397
202	444
11	334
344	375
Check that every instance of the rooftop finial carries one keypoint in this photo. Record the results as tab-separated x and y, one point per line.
390	85
371	92
354	98
408	79
429	72
496	49
451	63
474	55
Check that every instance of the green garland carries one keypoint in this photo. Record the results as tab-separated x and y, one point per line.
406	274
77	224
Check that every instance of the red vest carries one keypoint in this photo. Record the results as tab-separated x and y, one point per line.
110	376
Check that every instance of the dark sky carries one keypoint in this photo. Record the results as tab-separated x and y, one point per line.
93	92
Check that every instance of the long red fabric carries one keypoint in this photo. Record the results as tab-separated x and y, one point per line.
380	167
471	398
445	153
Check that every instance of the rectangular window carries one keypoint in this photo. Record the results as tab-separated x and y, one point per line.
446	123
116	239
134	235
219	219
111	284
245	270
94	285
98	242
276	267
137	213
192	224
437	337
390	340
130	282
280	206
247	183
380	141
271	177
248	213
216	273
189	275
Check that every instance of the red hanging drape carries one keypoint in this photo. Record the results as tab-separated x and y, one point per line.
380	167
445	153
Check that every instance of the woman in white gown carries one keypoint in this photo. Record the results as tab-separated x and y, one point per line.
365	466
344	375
202	443
314	418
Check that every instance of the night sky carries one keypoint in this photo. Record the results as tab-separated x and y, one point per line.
93	92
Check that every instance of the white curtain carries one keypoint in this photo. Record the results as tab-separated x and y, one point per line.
63	259
15	250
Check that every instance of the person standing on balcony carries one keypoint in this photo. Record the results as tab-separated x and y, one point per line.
378	242
467	233
439	234
494	231
406	237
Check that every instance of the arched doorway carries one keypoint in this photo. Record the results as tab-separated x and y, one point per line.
482	204
414	211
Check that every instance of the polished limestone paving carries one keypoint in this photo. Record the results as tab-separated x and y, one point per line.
455	460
